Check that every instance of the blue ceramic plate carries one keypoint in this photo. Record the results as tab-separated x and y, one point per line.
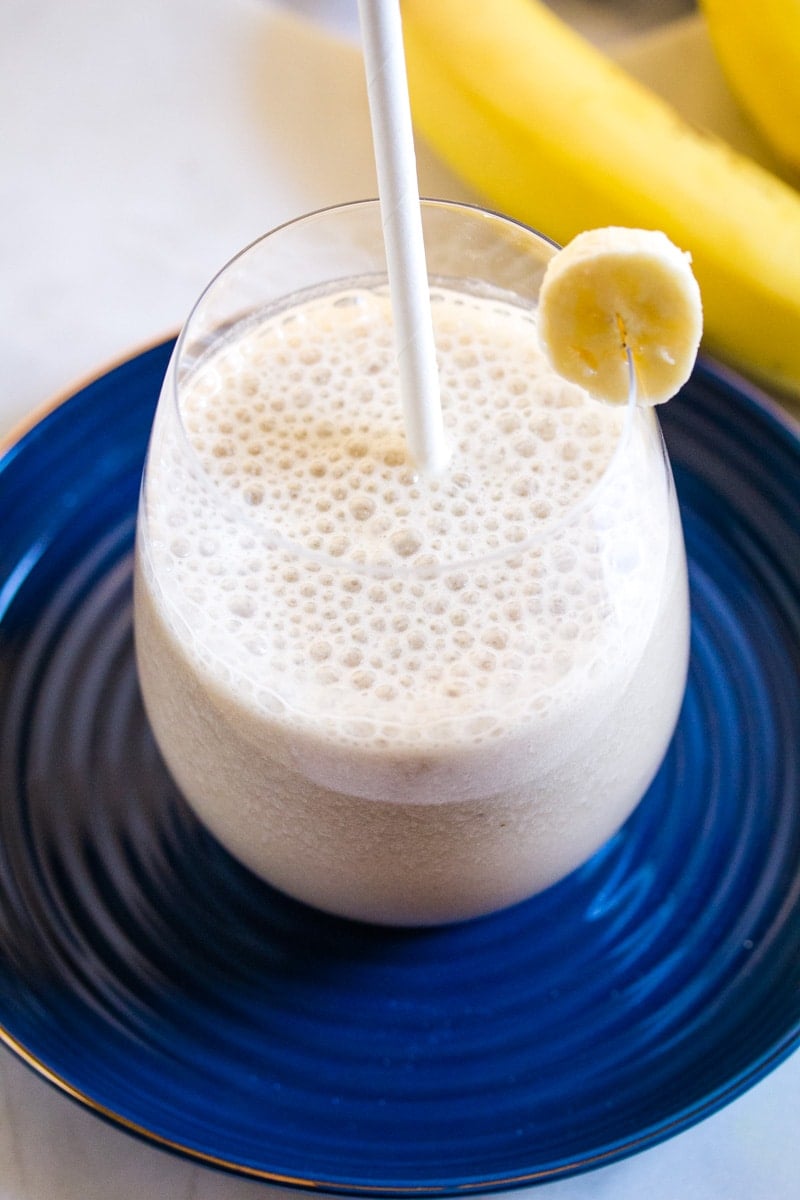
149	976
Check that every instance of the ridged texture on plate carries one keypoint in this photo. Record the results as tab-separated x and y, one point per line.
144	970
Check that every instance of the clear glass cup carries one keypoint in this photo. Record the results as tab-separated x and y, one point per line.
402	699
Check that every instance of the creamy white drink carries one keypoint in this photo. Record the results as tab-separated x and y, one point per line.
400	698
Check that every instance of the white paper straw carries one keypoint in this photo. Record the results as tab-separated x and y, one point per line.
393	140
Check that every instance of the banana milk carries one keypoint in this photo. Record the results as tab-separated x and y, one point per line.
399	698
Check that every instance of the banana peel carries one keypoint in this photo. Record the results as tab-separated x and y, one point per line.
758	47
677	61
544	126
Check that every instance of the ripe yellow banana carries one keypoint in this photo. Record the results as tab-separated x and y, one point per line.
758	47
545	127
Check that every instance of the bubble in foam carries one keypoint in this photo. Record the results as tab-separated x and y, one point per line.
405	543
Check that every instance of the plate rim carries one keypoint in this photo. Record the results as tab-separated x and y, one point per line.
12	437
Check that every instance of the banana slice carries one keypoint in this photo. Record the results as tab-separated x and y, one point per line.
616	292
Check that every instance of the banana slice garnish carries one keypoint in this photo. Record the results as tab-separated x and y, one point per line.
617	295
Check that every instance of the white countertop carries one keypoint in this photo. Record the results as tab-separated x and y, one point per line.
142	145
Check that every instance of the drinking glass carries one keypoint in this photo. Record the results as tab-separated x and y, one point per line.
400	698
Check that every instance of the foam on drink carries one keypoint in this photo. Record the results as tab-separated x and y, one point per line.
438	669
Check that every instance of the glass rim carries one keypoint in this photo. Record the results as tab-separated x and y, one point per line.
268	533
